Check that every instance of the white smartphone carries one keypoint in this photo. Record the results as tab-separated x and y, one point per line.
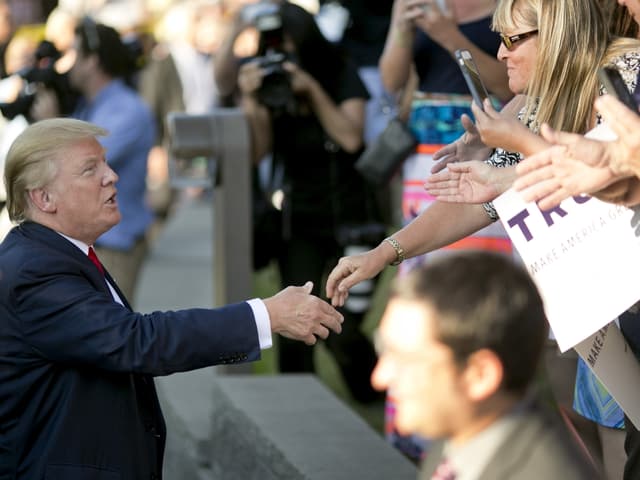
472	76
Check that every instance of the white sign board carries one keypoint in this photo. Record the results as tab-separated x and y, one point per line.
584	257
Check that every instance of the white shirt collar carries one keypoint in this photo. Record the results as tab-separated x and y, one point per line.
81	245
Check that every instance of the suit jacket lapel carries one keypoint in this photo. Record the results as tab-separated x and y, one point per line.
52	239
514	450
117	289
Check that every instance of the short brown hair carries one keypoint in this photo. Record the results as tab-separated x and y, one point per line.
483	301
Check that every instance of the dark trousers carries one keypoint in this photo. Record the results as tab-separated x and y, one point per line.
305	259
632	449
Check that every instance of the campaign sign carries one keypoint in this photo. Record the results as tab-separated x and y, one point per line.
583	255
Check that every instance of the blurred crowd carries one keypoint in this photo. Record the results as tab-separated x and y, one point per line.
318	82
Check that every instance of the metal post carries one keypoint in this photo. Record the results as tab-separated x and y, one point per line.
223	137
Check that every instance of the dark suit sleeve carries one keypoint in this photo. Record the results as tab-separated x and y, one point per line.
63	318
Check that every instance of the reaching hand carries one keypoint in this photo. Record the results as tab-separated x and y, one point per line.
438	24
296	314
574	165
498	130
466	148
469	182
250	78
625	123
353	270
301	81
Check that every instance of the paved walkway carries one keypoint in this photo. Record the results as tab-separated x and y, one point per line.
178	272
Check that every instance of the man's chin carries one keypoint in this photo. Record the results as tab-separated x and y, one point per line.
114	221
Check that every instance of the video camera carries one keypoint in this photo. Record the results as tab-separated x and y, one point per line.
42	72
275	92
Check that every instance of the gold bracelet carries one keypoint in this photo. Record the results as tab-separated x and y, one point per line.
399	250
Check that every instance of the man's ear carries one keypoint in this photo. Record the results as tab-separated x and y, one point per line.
42	200
483	374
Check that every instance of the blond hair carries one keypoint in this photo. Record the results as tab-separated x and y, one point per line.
573	41
32	158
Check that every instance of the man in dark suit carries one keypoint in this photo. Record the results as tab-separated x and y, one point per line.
77	397
459	345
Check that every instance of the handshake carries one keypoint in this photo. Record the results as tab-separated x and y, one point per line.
298	315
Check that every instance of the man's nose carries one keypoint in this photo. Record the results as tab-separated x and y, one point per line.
110	176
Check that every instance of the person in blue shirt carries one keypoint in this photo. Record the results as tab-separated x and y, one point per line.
100	74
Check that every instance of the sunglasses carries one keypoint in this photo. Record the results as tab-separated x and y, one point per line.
509	42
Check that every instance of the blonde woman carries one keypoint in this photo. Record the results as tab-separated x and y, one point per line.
575	40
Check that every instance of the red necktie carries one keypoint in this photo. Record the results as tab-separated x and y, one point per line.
94	258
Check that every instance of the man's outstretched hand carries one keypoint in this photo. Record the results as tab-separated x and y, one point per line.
298	315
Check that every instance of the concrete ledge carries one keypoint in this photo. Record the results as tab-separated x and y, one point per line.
291	427
186	400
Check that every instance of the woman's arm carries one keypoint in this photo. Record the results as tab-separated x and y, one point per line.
225	63
397	55
470	182
505	131
439	225
259	121
442	28
258	116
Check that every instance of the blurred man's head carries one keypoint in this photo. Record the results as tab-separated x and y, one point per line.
460	343
99	52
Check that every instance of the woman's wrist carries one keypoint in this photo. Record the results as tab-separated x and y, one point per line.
315	94
394	255
402	35
618	164
453	40
249	102
503	178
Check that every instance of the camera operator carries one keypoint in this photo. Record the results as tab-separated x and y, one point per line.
39	71
305	105
102	72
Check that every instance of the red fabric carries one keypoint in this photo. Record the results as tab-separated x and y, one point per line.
94	258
